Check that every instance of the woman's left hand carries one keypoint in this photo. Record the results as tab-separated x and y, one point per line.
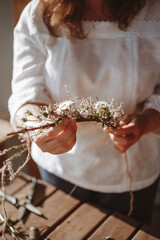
132	128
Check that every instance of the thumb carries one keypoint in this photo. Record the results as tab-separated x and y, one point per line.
126	120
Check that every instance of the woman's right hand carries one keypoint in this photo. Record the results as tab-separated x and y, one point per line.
59	139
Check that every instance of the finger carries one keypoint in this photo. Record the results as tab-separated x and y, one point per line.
62	138
119	148
52	132
60	128
123	131
124	141
70	127
58	141
66	147
127	119
109	129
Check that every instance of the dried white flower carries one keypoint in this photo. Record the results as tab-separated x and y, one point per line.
84	109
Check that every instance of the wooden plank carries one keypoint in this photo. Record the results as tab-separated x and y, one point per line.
80	224
15	185
43	190
11	211
147	233
33	169
20	188
116	227
11	189
55	209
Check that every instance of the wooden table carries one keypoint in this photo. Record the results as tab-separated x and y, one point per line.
67	218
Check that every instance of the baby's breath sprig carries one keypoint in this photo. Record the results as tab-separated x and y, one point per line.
82	110
85	109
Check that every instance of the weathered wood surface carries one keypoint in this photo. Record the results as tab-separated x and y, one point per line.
55	209
147	233
43	191
67	218
80	224
117	227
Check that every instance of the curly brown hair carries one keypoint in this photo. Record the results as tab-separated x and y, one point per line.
69	13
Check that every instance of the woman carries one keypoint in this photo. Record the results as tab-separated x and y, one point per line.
103	49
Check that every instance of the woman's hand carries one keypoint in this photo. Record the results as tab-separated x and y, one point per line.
132	128
55	140
59	139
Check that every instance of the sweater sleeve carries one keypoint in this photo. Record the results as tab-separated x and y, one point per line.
28	82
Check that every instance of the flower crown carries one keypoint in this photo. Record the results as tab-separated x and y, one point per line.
84	109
